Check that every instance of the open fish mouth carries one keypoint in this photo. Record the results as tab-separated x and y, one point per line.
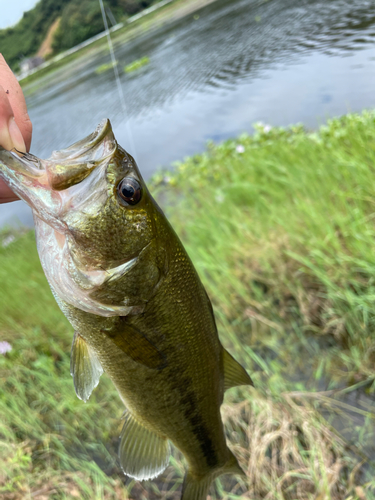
91	148
42	184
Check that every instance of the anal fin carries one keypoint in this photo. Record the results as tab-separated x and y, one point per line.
143	453
85	367
234	373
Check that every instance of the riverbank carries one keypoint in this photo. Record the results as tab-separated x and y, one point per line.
280	227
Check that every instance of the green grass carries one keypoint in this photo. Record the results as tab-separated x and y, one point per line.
280	226
288	228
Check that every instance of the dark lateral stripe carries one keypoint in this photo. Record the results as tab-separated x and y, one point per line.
199	427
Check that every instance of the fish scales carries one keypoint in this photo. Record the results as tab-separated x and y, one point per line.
173	408
138	308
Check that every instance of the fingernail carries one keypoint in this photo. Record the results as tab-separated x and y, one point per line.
16	136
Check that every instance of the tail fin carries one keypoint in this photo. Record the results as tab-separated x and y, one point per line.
197	489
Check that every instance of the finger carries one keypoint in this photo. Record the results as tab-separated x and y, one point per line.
6	194
8	141
17	101
10	135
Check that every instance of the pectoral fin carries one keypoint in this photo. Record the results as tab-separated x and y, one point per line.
85	367
143	453
137	346
234	373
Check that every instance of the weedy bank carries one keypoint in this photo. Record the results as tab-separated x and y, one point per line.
281	228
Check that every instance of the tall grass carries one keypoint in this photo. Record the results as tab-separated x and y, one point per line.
280	227
283	234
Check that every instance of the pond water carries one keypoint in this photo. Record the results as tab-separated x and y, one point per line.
211	76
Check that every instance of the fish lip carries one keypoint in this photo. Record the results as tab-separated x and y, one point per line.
29	165
25	175
102	134
29	177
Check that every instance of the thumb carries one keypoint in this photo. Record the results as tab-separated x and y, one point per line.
12	95
10	134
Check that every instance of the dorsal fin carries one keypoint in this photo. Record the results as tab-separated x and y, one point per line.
234	373
85	367
143	453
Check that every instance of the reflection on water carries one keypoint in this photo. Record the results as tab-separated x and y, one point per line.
213	74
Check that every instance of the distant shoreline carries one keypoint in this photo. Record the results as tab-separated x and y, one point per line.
151	18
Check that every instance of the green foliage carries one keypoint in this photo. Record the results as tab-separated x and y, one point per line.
285	219
105	67
131	7
80	19
139	63
24	39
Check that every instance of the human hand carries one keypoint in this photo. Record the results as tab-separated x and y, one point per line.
15	124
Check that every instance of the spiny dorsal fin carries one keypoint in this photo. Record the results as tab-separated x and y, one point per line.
143	453
85	368
234	373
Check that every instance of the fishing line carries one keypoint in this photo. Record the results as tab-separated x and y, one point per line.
117	77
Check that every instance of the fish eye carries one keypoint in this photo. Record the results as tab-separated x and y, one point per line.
130	190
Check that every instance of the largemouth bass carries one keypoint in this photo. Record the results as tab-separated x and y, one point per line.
137	306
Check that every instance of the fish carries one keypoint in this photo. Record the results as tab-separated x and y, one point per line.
137	306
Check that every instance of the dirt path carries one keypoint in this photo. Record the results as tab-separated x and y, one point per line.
46	47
